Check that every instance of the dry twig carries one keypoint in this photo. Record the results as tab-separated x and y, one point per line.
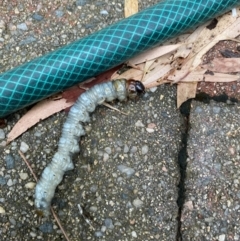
36	179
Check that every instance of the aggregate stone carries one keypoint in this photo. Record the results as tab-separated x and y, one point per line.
139	123
212	205
27	40
37	17
46	227
23	175
24	147
59	13
81	2
10	182
145	149
93	188
137	203
126	148
134	234
12	221
127	170
2	134
105	157
109	223
2	210
104	12
108	150
98	234
103	229
10	161
22	26
3	181
93	208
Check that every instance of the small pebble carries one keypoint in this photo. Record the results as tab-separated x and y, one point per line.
32	234
23	175
144	149
117	224
139	124
37	17
134	234
81	2
105	157
109	223
198	110
37	134
128	205
104	12
93	188
236	237
153	89
46	227
24	147
137	203
3	143
126	149
222	237
98	234
30	185
22	26
12	221
149	130
216	109
108	150
2	24
151	125
59	13
133	149
127	170
10	182
93	209
10	161
103	229
27	40
2	210
2	134
3	181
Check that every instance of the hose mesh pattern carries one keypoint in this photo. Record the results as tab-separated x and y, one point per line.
98	52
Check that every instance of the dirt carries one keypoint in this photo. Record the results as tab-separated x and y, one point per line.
231	89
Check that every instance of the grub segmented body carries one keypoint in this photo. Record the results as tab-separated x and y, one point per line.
72	131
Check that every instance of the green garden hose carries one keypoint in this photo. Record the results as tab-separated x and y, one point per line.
98	52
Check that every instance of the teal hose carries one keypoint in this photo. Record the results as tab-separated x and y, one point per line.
96	53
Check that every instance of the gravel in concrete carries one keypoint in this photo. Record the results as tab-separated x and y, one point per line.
212	204
130	195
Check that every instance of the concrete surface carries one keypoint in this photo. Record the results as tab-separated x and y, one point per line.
212	205
132	178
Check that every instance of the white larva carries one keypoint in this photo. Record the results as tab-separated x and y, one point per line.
72	131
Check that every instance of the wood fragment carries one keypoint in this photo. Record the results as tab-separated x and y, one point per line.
130	7
156	76
223	65
154	53
220	77
185	91
113	108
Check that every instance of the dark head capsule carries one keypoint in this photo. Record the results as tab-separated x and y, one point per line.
135	88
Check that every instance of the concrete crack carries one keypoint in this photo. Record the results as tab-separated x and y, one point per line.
182	162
